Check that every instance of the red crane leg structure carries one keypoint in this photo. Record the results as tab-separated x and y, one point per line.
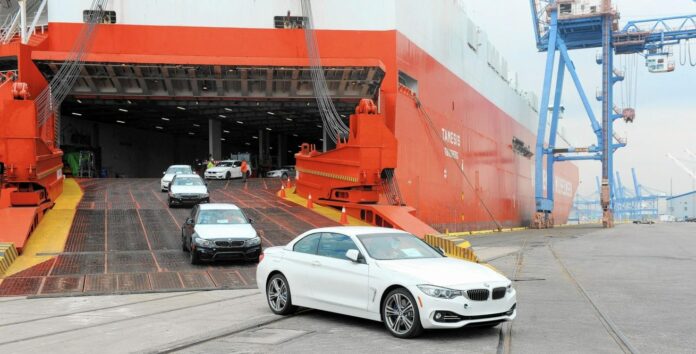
351	175
33	177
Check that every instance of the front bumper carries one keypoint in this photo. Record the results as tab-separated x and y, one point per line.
460	311
188	200
228	254
209	175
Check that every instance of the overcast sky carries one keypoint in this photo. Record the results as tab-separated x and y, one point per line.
665	103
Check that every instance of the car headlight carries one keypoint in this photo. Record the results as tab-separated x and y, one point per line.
440	292
203	242
204	195
253	241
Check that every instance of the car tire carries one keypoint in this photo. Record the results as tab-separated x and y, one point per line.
183	243
284	176
169	202
194	257
398	308
228	175
277	287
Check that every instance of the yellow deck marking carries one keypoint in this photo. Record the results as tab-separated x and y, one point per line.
52	233
327	212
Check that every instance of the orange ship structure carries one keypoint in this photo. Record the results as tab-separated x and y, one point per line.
439	131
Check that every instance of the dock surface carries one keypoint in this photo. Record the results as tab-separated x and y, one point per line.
580	290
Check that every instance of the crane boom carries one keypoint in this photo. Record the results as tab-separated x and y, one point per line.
682	166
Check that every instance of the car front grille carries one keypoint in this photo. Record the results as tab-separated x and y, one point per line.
477	294
499	293
229	243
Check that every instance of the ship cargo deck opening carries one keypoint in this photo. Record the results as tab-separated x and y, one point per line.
131	115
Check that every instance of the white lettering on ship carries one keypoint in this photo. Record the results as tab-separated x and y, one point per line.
451	137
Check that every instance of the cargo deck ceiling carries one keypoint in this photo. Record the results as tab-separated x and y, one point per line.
245	98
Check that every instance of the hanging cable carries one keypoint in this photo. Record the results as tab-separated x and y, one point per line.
693	63
49	100
435	132
336	128
682	52
635	82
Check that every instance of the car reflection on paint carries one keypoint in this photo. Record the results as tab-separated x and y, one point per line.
384	275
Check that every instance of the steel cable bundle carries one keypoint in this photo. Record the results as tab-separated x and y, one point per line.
335	127
49	100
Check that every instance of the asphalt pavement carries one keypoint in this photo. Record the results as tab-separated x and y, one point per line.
580	290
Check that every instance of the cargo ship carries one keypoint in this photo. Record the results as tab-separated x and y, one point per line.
165	82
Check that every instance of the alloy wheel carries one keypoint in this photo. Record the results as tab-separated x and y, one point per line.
278	294
399	313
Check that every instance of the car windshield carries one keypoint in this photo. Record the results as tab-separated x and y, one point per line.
188	181
221	217
225	164
396	246
178	170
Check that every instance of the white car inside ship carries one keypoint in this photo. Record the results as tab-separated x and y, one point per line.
383	275
227	169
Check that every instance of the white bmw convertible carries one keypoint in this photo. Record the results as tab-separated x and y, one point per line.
384	275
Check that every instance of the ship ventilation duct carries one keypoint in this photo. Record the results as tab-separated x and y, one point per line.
335	127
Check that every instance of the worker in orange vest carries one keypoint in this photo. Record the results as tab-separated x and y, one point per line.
245	170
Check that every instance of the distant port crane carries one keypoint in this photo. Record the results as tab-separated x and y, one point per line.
565	25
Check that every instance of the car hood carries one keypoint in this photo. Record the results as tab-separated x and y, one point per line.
189	189
447	272
219	169
213	232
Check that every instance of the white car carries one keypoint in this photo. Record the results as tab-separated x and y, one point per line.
226	170
187	189
383	275
219	232
171	172
284	172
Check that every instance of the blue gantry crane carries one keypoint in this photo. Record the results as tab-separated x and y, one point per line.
561	26
629	205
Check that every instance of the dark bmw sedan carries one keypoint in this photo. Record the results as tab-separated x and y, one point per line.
219	232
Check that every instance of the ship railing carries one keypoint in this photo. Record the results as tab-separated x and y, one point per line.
14	27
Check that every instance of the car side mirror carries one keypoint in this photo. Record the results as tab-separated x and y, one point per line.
164	173
440	251
189	221
251	221
355	256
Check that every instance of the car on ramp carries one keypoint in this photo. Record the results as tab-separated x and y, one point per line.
172	171
187	190
219	232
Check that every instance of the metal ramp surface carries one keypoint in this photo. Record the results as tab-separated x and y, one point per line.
125	239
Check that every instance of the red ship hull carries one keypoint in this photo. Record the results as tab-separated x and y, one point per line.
488	183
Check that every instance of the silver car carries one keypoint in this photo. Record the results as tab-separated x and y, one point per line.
172	171
187	189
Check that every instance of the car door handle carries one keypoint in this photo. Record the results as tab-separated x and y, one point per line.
316	263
